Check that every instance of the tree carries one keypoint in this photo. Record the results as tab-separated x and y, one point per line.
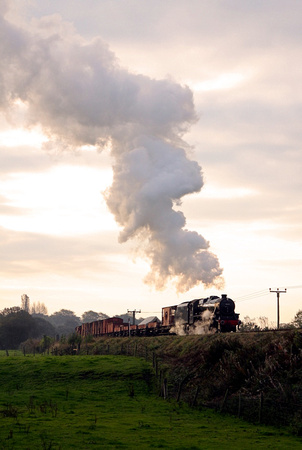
39	308
263	322
249	325
286	326
64	321
43	327
25	302
74	339
46	342
17	325
12	310
298	319
64	312
92	316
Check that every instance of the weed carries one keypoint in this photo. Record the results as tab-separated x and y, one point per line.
31	405
10	411
10	434
46	442
131	391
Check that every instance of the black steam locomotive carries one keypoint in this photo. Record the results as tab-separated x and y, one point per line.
202	315
199	316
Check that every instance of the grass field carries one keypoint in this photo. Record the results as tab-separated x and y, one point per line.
87	402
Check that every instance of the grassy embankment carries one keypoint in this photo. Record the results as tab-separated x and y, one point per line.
84	402
257	376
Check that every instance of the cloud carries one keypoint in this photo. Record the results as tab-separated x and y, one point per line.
35	254
80	95
7	209
22	159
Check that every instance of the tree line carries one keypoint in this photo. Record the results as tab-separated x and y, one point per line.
262	323
21	323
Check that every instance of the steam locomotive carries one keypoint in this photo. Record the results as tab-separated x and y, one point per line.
199	316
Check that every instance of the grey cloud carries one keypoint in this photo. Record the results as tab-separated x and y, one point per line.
200	18
251	137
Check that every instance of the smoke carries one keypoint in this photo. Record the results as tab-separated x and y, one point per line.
202	326
79	94
179	328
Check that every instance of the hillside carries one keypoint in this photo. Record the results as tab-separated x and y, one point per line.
257	376
93	402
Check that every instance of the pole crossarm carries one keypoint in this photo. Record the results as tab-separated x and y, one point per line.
133	313
278	292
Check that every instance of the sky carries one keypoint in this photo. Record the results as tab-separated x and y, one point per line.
150	153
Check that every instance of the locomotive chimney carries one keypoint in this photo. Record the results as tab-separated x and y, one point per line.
223	296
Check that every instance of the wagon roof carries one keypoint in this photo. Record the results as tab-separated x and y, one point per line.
149	319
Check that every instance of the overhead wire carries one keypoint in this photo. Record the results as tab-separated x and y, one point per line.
252	295
262	293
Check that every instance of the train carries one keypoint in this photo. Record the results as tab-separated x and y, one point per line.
199	316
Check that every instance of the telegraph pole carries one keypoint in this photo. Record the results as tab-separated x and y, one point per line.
133	312
278	292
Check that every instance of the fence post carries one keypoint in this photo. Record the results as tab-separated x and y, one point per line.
260	406
182	383
165	389
195	396
239	405
156	367
224	399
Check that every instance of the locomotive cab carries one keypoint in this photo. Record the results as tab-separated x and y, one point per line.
168	316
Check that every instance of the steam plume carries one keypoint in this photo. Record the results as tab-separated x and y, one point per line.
79	94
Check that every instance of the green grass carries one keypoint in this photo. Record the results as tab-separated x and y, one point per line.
10	353
88	402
